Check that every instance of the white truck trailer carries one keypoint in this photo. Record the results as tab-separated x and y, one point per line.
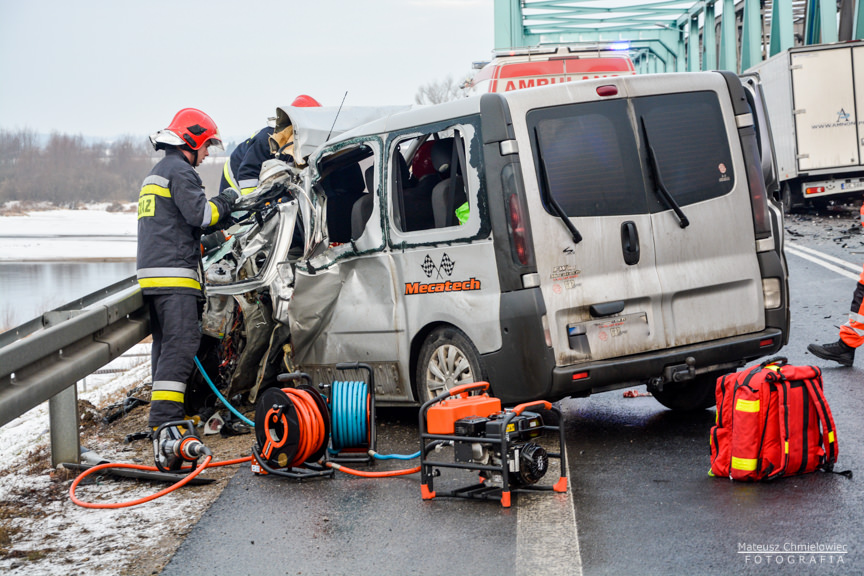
815	101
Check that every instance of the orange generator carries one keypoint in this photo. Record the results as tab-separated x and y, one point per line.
504	446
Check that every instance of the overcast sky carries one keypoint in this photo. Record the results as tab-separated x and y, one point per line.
115	67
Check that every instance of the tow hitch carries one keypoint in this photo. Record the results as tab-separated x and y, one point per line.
674	373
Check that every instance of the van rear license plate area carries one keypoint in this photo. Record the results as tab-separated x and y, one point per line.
609	336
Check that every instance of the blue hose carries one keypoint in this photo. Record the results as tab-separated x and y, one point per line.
220	396
349	414
349	406
395	456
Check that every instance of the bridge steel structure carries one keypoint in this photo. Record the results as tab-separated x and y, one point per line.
672	35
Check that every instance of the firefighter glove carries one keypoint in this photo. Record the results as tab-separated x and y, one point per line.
230	195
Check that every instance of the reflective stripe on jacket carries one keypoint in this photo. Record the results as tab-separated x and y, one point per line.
172	209
243	167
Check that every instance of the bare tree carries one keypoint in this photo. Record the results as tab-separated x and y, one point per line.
442	91
68	170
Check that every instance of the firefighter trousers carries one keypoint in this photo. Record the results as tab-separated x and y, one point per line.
852	333
174	321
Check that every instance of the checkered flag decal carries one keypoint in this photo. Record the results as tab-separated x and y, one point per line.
428	266
446	264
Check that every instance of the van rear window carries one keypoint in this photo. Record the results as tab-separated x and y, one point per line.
586	158
689	138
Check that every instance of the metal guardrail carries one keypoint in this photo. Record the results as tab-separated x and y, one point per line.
43	359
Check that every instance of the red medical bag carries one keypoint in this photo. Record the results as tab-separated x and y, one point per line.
772	421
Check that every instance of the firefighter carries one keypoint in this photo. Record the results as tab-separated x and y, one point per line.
851	333
172	210
244	166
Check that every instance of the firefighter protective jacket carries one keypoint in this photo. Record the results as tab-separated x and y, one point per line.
172	210
243	167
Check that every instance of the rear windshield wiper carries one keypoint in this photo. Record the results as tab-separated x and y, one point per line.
661	189
574	233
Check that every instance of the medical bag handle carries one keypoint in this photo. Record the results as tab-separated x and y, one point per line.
780	361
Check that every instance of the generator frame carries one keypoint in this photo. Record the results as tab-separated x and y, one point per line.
482	490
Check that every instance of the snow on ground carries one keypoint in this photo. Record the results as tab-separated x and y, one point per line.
59	537
41	531
48	234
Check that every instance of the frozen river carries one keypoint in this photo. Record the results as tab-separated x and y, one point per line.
49	258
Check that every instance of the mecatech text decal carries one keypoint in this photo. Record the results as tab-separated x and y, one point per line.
435	287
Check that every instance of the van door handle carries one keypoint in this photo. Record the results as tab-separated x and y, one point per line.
606	309
630	242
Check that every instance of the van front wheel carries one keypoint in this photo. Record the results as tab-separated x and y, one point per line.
696	394
447	359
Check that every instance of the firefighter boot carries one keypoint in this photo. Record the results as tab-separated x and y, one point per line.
837	351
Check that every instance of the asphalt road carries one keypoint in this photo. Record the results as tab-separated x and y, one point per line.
640	502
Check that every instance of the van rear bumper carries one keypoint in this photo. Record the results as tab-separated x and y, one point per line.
725	354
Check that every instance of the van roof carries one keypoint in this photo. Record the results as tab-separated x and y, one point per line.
429	114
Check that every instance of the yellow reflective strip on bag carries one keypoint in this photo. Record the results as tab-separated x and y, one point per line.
831	437
786	447
746	464
153	189
167	395
214	213
169	283
747	405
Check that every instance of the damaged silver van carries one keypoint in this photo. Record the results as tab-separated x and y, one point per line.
555	242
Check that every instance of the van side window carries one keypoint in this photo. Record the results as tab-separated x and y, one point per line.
688	136
346	178
427	179
586	159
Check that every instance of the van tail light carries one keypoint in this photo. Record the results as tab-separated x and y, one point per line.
518	224
516	220
758	194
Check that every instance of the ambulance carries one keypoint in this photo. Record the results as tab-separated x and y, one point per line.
543	66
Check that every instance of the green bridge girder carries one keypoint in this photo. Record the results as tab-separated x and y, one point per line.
671	35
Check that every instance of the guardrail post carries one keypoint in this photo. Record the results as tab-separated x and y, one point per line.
63	418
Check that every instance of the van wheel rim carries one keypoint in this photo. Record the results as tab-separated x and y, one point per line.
448	367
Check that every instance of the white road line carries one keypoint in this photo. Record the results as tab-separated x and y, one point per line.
844	263
820	259
547	541
554	515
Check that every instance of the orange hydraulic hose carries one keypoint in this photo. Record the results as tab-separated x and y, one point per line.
311	423
385	474
186	479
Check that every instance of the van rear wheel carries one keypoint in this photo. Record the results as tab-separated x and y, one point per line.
447	359
696	394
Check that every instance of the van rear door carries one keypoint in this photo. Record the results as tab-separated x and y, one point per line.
603	295
648	273
706	262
